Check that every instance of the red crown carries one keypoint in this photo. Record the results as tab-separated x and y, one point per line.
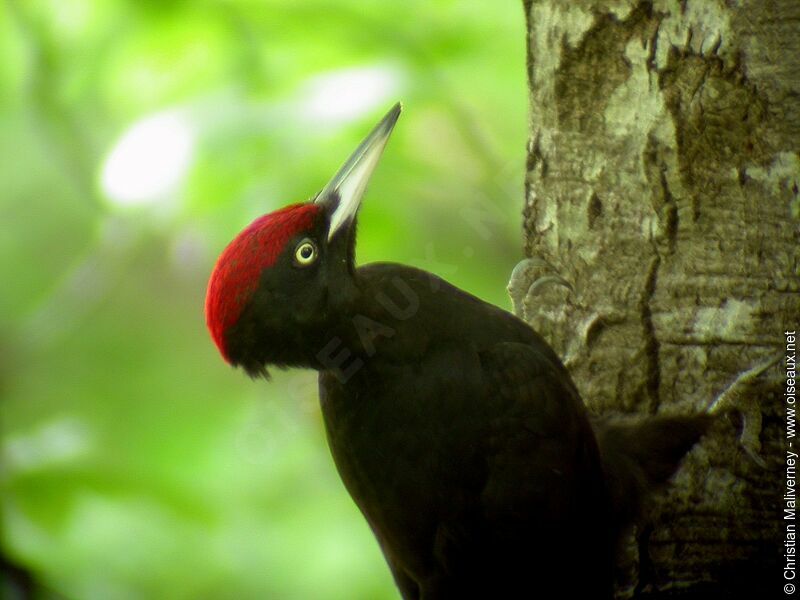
238	269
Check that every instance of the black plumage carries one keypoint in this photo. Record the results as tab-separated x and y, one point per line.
455	427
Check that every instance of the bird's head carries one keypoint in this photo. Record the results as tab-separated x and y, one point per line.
279	285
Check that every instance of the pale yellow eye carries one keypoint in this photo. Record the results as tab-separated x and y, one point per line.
305	253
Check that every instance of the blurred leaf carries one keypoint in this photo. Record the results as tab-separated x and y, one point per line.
136	463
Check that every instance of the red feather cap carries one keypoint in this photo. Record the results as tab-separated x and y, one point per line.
238	269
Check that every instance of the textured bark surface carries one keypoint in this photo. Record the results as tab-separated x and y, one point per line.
663	175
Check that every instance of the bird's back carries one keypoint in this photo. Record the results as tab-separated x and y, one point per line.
465	444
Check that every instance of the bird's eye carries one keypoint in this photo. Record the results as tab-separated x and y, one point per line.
305	253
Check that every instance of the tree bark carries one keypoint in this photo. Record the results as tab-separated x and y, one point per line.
662	182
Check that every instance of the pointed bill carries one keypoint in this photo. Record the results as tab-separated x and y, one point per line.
344	192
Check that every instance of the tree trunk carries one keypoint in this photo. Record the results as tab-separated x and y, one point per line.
662	182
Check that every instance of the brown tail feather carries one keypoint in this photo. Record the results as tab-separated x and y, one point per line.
640	455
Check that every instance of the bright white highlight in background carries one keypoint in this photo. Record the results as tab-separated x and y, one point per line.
345	95
149	161
53	442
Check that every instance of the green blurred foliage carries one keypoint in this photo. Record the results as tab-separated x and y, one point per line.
136	464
